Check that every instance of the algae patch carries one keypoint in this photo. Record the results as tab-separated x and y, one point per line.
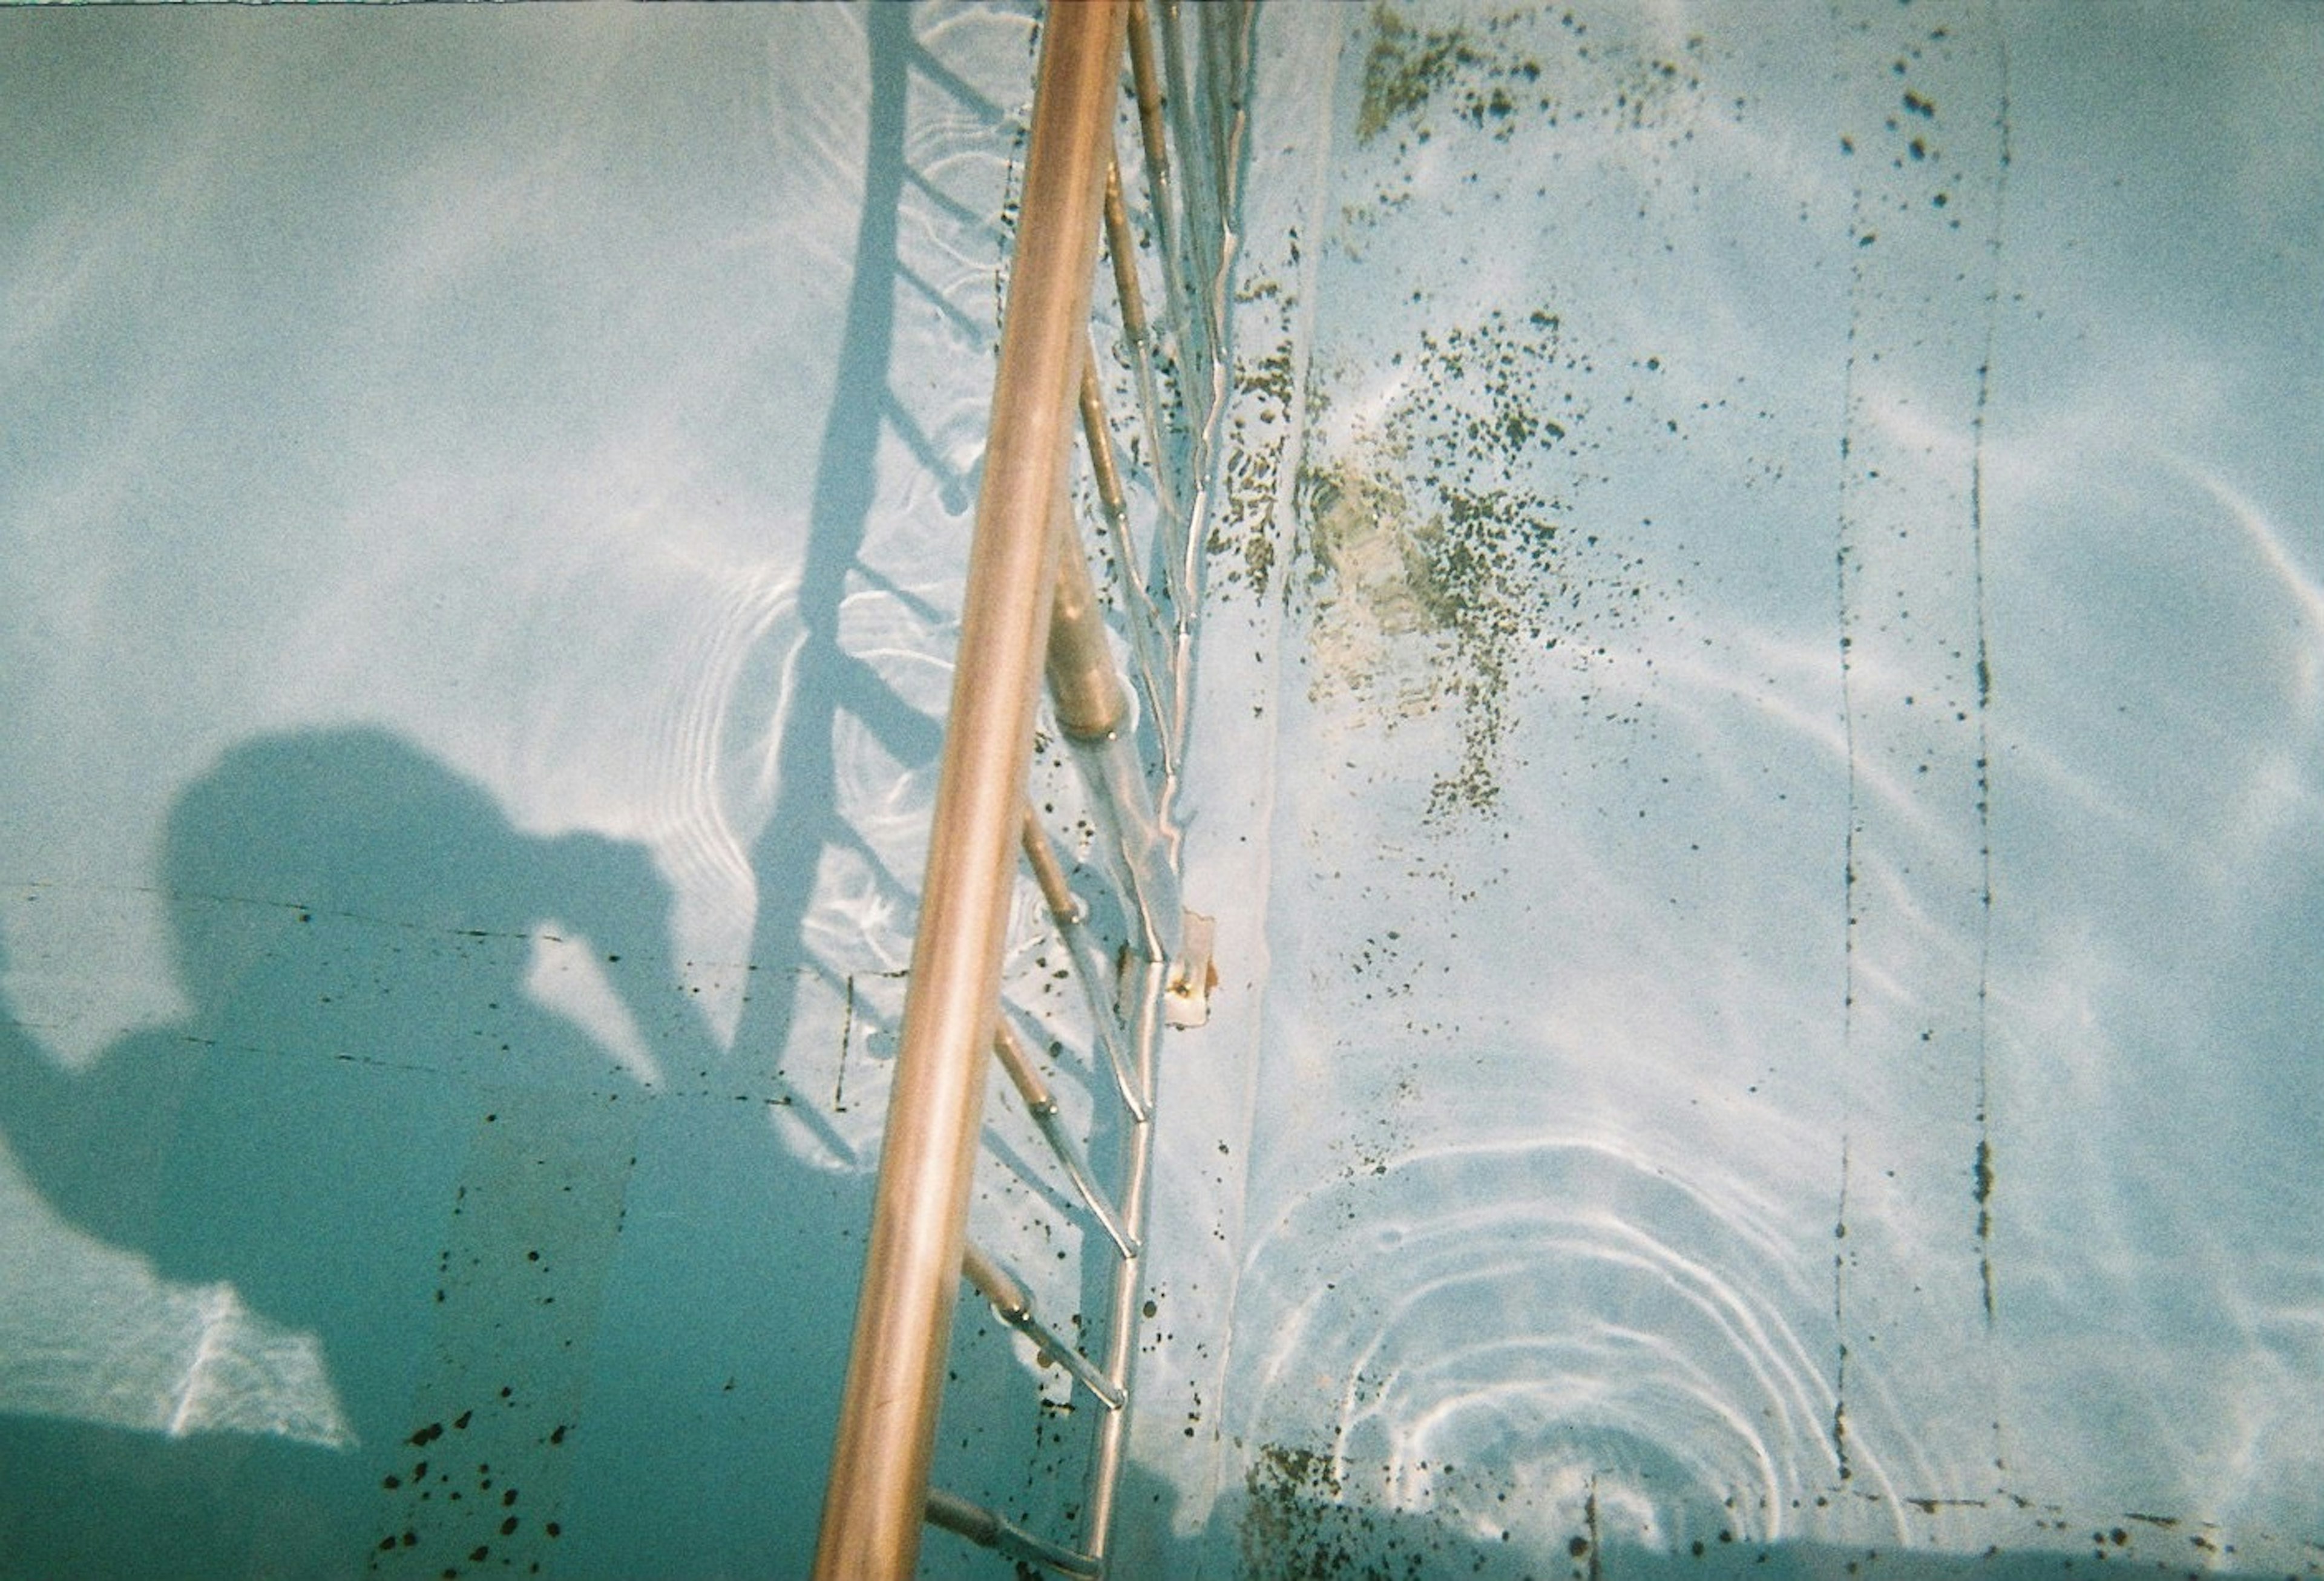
1408	68
1436	553
1404	70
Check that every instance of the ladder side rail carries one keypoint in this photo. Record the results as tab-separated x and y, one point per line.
1210	211
1128	1287
876	1501
1200	358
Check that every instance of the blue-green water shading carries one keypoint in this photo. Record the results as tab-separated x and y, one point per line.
1757	765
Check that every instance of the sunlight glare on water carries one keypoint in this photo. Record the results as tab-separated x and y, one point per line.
1755	759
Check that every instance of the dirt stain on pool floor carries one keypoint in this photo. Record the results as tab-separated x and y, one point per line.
1438	554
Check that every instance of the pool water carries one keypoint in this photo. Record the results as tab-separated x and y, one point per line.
1756	760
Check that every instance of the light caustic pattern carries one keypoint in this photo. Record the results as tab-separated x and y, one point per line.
1570	1339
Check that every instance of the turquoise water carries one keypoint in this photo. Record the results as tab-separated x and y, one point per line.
1756	762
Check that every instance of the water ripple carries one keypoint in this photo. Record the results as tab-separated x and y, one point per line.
715	739
1625	1349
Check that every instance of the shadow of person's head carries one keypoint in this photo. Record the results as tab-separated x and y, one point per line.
356	824
355	929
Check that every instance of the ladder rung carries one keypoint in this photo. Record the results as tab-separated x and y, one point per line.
1013	1307
1138	613
990	1528
1043	1107
1088	960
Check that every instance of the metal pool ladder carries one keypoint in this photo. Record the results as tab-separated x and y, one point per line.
1031	605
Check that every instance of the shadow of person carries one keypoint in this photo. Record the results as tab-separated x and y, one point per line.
357	932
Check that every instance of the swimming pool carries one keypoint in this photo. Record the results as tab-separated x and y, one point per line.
1755	762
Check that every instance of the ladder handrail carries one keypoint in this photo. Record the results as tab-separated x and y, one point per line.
876	1497
1032	610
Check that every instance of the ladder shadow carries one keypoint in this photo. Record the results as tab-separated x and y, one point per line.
995	1415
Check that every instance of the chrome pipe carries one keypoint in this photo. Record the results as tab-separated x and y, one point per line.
1090	963
877	1493
1222	87
1164	448
1207	419
1043	1106
1161	193
1138	614
993	1529
1196	206
1129	1286
1009	1303
1139	853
